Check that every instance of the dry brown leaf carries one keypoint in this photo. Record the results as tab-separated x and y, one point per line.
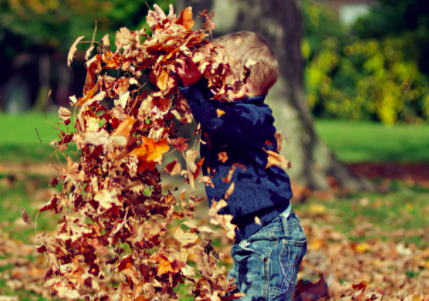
275	159
174	168
25	216
229	191
64	113
72	50
223	157
125	127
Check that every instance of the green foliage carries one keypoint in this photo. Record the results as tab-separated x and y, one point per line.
57	23
351	77
375	142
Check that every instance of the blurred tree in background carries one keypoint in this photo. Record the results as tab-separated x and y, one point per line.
375	69
35	36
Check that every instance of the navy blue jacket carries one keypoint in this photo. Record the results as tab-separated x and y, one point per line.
243	132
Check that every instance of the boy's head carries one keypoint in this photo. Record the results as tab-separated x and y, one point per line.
245	45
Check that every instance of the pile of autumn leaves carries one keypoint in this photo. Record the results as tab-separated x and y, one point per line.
115	212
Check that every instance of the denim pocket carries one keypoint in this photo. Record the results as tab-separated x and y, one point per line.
290	260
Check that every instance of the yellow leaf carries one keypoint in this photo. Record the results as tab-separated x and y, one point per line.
220	112
258	220
362	247
317	209
316	244
162	80
409	207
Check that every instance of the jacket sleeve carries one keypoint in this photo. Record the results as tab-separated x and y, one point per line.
240	123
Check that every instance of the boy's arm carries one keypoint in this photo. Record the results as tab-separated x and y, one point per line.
243	124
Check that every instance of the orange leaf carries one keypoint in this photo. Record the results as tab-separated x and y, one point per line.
219	112
229	175
155	149
164	266
186	19
88	95
230	190
222	157
125	127
277	160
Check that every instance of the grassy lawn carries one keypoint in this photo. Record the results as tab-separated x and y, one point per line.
375	142
352	141
19	141
404	209
399	215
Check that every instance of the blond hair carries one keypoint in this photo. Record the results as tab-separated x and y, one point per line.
245	45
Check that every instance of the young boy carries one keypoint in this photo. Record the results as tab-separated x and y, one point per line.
270	242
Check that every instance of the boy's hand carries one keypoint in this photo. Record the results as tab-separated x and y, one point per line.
188	72
160	16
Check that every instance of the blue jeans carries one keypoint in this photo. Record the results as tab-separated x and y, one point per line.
266	264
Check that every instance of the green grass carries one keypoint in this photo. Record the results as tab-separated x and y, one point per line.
352	141
375	142
19	140
29	193
402	208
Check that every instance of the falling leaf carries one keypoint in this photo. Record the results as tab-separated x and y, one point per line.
125	127
25	216
228	177
186	18
123	37
223	157
105	40
209	24
186	239
229	191
180	144
219	112
174	168
258	220
191	167
275	159
151	150
72	50
88	52
64	113
107	198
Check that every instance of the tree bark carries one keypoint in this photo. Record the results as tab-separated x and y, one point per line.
280	23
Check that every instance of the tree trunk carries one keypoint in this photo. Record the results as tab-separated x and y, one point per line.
279	22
